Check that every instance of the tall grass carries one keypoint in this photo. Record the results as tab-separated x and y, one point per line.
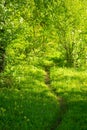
71	84
26	103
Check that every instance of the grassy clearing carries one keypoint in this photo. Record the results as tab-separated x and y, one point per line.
72	85
27	109
29	104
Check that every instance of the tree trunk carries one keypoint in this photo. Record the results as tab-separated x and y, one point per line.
2	59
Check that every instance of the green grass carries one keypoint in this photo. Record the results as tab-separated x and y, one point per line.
27	110
28	104
72	85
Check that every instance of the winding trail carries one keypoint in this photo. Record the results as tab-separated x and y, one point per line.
61	101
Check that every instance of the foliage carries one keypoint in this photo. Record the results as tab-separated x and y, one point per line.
38	23
38	36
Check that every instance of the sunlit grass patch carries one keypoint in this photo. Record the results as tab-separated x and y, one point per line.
19	76
68	79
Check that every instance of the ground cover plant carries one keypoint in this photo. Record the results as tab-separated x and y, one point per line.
43	64
72	85
28	106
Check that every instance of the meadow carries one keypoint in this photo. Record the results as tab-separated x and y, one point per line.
71	84
28	104
31	104
43	65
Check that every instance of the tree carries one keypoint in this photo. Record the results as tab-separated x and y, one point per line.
68	19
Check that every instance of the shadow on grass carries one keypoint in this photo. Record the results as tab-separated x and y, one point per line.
27	110
76	116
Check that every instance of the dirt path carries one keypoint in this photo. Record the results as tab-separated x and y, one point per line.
61	101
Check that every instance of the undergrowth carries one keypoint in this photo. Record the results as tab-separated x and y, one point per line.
71	84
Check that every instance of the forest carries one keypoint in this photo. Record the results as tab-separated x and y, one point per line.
43	64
